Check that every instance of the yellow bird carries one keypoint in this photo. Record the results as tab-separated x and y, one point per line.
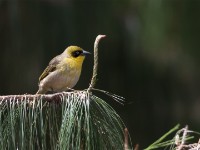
63	71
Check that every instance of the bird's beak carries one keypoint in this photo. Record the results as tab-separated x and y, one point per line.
85	53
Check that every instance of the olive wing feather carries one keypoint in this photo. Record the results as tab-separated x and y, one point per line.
50	68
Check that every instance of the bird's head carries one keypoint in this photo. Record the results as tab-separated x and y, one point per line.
76	53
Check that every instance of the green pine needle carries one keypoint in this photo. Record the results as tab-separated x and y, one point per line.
78	121
160	143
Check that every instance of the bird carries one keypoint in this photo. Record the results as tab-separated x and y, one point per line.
63	71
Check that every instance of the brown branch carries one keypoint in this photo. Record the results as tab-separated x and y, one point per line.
136	147
125	139
57	97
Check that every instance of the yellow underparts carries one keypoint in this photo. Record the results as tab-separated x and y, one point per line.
71	64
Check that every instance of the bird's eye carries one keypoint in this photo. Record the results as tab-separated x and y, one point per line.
77	53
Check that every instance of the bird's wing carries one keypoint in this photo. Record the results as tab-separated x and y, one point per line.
50	68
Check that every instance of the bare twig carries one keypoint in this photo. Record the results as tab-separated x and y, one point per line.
136	147
125	139
184	134
177	139
95	67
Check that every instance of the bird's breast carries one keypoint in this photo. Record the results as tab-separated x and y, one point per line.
65	76
69	75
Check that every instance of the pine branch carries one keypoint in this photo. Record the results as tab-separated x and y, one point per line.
57	97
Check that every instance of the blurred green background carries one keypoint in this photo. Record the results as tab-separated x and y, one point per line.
150	56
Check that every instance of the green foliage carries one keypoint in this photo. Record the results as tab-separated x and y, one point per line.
169	144
76	120
159	143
